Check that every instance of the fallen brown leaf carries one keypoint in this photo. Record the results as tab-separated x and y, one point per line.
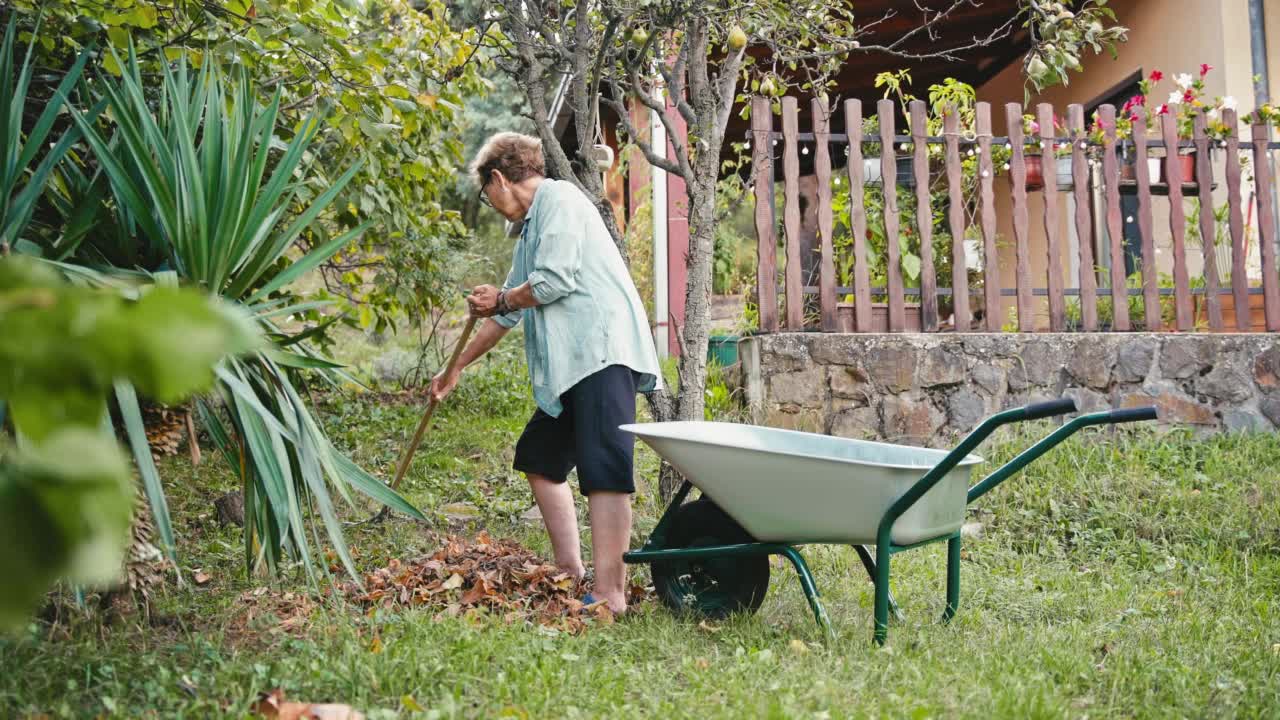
273	706
201	577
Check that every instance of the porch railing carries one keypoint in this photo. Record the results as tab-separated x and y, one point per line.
1097	206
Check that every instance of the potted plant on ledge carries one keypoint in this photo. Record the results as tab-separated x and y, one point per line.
1185	103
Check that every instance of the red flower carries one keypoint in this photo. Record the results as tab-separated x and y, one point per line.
1188	96
1134	117
1164	110
1204	69
1156	76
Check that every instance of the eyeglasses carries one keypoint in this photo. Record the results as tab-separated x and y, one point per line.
484	199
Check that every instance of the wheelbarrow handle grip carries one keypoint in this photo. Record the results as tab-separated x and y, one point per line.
1061	406
1132	415
1027	456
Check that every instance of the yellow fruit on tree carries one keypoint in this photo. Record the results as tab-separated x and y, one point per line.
737	38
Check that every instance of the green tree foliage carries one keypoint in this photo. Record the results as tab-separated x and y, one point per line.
66	498
387	77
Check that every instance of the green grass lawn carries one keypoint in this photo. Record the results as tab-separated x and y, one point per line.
1125	575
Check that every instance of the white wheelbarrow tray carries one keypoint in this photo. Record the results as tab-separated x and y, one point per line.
797	487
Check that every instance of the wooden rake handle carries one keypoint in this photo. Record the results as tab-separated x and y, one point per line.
407	456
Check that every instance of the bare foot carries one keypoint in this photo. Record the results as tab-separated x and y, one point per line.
617	601
577	572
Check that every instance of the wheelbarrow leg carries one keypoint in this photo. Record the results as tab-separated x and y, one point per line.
810	589
953	578
882	592
870	564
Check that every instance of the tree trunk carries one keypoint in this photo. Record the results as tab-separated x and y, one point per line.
691	404
694	332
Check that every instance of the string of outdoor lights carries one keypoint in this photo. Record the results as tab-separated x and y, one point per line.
994	141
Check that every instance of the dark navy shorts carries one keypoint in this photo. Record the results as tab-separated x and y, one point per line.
586	434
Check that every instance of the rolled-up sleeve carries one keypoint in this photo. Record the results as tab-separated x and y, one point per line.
512	318
557	259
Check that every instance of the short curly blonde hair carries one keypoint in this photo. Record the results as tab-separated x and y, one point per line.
515	155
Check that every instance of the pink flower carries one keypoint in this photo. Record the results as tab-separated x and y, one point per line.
1156	76
1188	96
1164	110
1204	69
1134	117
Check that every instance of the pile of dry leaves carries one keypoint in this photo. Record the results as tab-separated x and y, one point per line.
500	577
265	612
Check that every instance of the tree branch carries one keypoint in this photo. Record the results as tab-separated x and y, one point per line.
650	156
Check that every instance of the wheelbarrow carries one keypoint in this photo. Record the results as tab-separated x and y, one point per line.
765	491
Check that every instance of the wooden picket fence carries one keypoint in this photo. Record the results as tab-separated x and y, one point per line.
766	141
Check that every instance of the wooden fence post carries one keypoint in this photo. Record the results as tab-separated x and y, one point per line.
791	214
822	169
766	232
889	177
1177	225
858	218
1115	234
924	218
1022	243
1084	220
990	255
1235	223
959	264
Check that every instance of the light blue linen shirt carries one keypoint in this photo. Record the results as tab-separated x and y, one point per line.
589	314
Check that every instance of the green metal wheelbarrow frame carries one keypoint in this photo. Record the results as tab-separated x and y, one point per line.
877	567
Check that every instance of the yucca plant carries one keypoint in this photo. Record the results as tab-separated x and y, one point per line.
22	179
199	172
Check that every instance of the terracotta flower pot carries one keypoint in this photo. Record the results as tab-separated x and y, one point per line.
1227	304
879	317
1187	164
1155	169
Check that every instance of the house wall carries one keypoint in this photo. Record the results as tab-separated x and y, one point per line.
1174	36
926	388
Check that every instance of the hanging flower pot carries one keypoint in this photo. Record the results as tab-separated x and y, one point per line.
1035	171
1066	180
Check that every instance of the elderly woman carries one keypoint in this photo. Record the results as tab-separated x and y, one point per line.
589	352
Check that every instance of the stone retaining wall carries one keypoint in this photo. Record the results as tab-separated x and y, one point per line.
927	388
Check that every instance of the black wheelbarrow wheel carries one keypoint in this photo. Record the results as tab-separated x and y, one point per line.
714	587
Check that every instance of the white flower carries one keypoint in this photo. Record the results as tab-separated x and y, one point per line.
1184	81
1175	98
1230	103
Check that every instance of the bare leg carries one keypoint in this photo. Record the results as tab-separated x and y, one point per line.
610	538
555	502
